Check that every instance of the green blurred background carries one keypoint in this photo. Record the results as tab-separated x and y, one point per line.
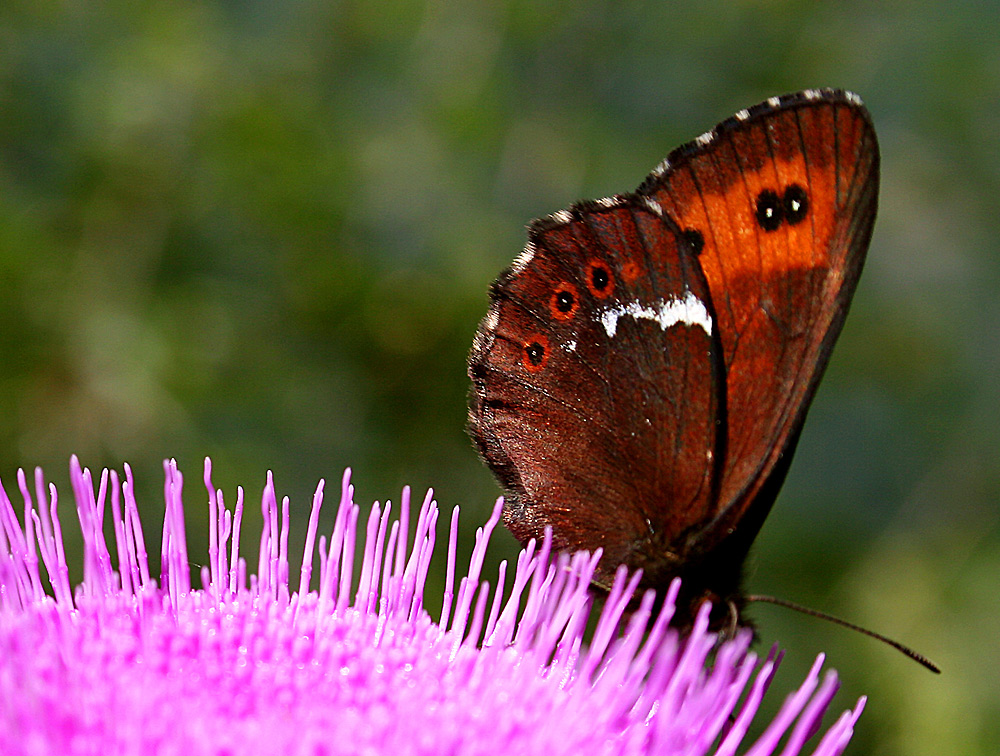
265	231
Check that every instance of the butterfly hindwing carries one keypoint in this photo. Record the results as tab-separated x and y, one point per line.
597	383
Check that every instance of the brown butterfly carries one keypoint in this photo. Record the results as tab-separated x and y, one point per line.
643	373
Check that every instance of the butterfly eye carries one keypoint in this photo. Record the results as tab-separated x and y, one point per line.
694	239
796	204
599	279
536	353
770	212
564	302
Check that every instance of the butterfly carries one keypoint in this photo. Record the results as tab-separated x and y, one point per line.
642	375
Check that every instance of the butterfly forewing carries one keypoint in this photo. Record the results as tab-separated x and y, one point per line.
784	198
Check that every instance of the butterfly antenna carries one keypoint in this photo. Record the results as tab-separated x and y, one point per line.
905	650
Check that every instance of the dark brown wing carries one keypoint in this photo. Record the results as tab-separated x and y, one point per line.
598	385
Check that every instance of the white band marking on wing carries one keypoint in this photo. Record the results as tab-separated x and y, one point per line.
690	311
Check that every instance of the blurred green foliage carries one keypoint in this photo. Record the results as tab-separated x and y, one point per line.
264	232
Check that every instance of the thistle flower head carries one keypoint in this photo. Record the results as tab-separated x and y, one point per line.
247	663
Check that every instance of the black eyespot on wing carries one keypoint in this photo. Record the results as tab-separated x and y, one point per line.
770	210
564	301
796	204
599	278
695	239
536	353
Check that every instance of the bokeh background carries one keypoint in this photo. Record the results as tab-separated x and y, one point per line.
265	231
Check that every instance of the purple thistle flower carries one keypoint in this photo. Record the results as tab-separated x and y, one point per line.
124	664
